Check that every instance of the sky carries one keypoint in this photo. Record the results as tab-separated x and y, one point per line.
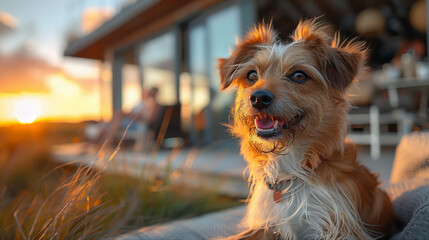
35	78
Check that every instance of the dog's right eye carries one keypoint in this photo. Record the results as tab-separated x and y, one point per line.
299	77
252	76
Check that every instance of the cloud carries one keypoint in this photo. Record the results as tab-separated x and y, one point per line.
24	72
21	71
7	22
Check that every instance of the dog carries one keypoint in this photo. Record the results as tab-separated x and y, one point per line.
290	115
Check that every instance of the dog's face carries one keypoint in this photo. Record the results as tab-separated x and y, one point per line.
288	92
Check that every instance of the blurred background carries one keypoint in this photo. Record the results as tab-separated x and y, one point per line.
128	89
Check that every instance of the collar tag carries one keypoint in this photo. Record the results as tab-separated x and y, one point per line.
278	186
277	195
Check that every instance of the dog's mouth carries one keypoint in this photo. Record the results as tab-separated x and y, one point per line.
267	126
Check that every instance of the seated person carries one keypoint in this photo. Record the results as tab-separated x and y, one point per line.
138	119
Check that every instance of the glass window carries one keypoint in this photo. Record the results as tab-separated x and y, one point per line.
211	38
106	91
157	61
198	63
200	86
223	28
131	87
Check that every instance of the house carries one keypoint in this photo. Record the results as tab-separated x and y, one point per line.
174	45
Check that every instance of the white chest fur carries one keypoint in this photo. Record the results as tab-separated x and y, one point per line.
308	209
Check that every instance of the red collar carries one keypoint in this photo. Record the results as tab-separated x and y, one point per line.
322	158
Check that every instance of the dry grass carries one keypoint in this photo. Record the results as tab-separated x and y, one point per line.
40	199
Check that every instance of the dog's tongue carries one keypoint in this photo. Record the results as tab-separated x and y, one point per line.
264	123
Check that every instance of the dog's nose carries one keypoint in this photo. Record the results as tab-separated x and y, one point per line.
261	99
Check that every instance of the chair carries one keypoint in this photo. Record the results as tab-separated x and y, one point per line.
374	136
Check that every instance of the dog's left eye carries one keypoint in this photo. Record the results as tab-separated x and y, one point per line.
252	76
299	76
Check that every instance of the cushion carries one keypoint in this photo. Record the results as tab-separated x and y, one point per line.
412	214
213	225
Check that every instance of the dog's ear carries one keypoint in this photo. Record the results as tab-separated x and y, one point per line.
341	62
344	64
312	33
260	35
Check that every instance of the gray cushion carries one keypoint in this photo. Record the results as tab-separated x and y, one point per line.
412	214
214	225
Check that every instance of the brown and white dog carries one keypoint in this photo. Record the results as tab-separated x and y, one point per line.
291	117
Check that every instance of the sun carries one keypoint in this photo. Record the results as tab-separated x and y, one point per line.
26	110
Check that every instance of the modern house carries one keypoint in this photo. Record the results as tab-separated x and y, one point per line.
174	45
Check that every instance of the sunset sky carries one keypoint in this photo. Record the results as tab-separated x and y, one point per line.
36	81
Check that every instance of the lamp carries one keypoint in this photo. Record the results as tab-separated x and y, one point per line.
370	23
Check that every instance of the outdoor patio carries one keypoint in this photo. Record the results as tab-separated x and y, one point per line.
218	166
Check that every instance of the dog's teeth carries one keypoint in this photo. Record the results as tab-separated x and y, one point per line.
276	124
265	130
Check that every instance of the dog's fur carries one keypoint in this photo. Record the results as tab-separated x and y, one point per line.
330	195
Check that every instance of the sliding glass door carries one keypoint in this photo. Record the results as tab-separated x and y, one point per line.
210	38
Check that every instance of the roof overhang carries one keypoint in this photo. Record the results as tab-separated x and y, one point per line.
136	22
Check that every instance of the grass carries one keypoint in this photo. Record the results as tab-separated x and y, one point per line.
41	199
